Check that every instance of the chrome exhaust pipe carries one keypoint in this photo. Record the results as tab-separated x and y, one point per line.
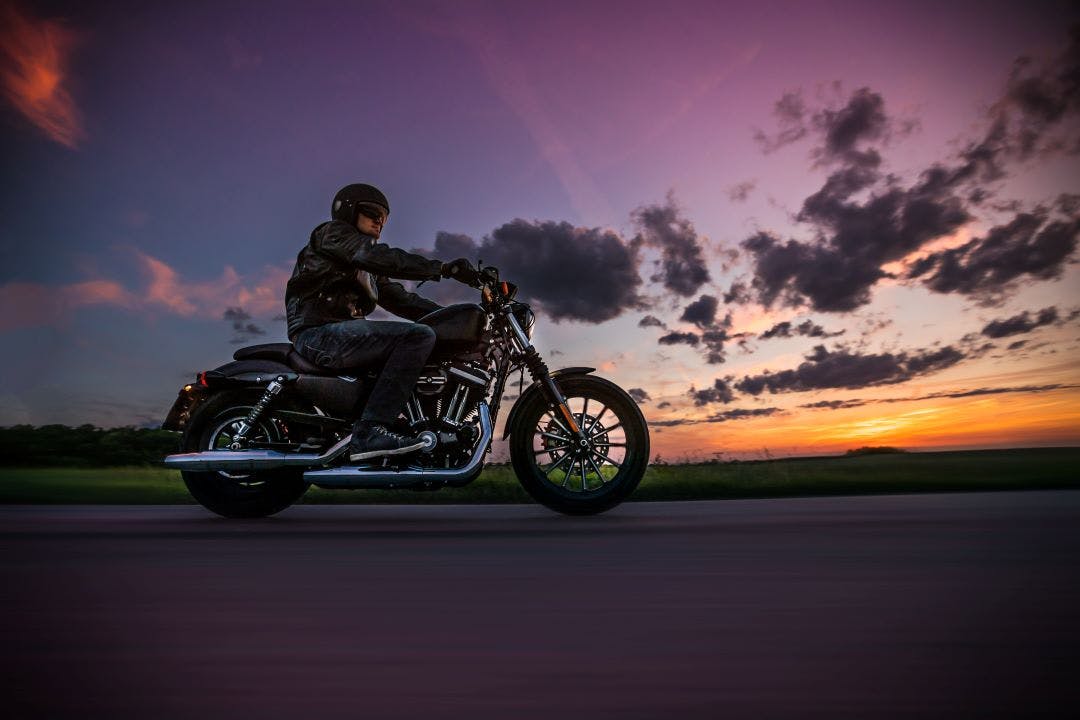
239	460
377	477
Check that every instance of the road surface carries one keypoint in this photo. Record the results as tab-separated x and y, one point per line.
951	605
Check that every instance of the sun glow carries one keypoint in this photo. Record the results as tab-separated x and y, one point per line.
1016	420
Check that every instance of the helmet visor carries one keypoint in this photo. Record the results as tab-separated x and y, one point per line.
373	211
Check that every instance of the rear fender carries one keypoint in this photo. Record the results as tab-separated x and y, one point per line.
238	374
246	373
535	388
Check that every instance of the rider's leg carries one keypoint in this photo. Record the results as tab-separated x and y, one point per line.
399	349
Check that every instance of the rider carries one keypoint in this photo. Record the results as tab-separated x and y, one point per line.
339	278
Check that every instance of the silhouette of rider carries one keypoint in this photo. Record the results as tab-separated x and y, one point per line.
340	276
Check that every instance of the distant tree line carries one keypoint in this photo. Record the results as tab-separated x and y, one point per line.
83	446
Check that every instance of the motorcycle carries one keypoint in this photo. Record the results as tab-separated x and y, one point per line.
258	431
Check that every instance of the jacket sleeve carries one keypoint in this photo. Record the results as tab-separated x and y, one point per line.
401	302
347	245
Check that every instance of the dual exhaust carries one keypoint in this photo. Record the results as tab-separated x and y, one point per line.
348	476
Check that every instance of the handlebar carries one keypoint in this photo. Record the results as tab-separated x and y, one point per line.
491	287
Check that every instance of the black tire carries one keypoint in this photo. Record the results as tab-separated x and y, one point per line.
249	495
598	478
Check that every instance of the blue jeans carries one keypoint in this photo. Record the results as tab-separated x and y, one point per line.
398	350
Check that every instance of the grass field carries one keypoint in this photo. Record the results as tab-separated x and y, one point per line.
892	473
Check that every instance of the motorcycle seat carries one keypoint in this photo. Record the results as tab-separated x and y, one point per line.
285	354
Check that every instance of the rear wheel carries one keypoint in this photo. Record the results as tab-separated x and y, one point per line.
560	471
238	495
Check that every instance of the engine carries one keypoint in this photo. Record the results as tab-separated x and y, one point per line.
445	402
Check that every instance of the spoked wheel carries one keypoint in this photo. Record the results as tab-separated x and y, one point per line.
575	476
237	495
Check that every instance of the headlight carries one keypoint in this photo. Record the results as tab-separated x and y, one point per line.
525	317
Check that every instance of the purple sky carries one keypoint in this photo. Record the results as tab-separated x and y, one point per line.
180	154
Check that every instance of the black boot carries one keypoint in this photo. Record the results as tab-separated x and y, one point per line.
371	440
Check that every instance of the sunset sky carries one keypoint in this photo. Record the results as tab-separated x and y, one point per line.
790	227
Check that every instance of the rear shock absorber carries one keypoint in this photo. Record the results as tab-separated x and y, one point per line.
240	439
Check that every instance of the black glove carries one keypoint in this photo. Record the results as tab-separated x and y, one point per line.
461	270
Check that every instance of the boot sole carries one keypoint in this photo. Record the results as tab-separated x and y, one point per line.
393	451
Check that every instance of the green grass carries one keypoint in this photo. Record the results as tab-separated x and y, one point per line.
886	473
138	485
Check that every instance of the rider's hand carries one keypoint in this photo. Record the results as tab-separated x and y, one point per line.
461	270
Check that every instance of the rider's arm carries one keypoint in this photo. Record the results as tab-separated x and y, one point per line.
401	302
346	244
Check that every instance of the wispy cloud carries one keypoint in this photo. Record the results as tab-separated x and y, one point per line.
35	57
856	402
32	304
260	293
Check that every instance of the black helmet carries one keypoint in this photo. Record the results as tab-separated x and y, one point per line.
350	197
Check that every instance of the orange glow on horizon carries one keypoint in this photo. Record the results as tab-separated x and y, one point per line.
1007	420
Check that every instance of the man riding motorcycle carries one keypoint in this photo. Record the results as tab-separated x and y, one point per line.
339	278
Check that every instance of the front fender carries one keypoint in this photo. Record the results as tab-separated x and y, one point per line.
535	388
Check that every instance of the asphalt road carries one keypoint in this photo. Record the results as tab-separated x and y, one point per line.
950	606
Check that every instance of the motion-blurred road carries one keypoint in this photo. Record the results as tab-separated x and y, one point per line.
856	607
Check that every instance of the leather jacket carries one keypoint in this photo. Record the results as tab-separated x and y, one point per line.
343	274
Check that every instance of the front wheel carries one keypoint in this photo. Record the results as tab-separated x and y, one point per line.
558	470
238	495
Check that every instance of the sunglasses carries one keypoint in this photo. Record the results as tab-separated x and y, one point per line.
373	212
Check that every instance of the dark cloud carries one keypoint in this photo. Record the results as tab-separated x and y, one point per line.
807	328
701	312
1030	246
854	239
841	404
713	336
790	111
835	404
986	391
741	191
1016	345
680	338
1068	204
280	318
640	395
235	314
843	129
570	273
243	330
862	219
664	404
845	369
727	415
681	267
720	392
713	344
738	294
449	246
1035	116
861	119
651	321
1020	324
1041	97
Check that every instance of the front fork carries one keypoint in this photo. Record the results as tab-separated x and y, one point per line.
538	369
